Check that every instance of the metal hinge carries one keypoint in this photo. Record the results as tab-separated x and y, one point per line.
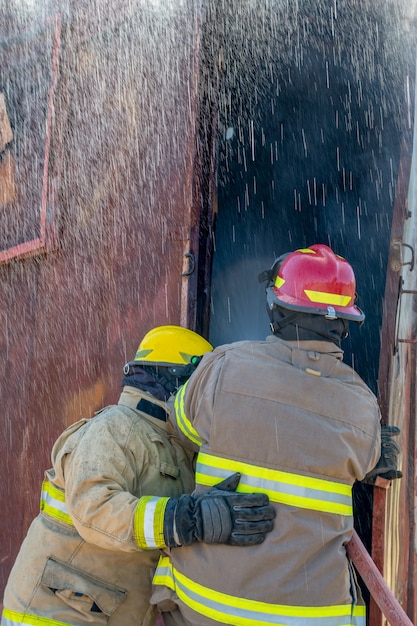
396	255
191	264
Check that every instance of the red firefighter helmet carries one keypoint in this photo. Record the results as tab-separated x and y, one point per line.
314	280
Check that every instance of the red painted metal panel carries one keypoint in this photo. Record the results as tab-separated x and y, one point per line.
121	163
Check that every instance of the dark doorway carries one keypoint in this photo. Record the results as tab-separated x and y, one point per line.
313	107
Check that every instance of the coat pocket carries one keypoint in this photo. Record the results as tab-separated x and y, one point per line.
167	466
81	591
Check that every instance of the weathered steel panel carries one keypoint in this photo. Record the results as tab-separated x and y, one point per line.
120	186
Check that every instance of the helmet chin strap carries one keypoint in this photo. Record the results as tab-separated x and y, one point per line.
277	325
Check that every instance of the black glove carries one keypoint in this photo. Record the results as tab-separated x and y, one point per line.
387	466
219	516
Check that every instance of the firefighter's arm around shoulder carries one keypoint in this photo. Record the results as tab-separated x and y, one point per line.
218	516
104	463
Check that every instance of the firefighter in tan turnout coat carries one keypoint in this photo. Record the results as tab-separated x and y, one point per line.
115	496
298	424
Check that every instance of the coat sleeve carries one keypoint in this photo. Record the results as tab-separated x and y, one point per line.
102	472
193	405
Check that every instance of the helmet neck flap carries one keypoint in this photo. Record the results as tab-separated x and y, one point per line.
159	380
296	326
145	379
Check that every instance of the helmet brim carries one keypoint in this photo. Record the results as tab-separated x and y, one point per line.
352	313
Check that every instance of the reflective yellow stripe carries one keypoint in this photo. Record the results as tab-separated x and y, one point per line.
284	487
327	298
12	618
183	422
53	503
149	522
243	612
148	519
306	251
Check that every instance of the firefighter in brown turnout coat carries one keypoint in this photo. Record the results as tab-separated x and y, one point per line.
298	424
115	495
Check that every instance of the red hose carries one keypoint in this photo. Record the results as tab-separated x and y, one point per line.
376	584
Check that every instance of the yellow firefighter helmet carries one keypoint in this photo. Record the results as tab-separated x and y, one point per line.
171	345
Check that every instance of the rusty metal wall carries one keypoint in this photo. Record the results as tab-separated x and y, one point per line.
118	199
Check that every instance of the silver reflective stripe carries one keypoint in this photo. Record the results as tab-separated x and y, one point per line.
243	612
53	503
287	488
149	522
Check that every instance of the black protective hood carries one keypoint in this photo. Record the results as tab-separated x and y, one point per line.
294	326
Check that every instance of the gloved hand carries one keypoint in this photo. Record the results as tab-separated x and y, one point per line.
219	516
387	466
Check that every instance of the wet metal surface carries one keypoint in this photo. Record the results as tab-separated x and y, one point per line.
119	194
